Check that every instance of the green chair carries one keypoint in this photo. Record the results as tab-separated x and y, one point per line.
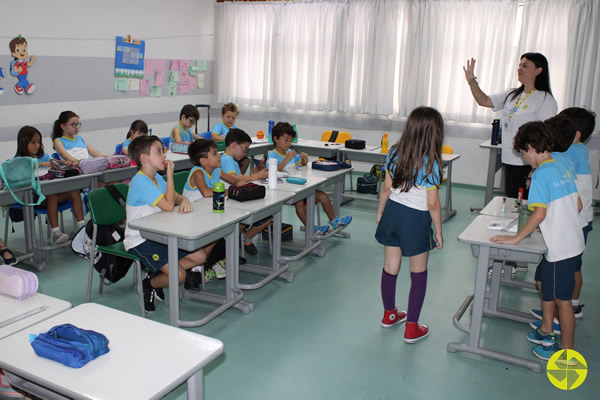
179	179
104	210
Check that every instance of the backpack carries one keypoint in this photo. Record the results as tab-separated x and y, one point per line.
22	172
366	184
378	171
111	268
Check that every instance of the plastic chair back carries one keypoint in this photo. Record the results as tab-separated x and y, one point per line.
104	209
205	135
446	149
165	141
118	148
340	138
179	179
56	156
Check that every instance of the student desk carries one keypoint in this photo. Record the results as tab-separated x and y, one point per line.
16	315
259	209
301	192
189	232
146	360
494	164
530	250
494	208
317	148
371	154
259	147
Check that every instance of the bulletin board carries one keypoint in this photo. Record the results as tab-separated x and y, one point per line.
129	57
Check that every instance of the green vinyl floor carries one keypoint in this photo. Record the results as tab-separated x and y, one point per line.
319	337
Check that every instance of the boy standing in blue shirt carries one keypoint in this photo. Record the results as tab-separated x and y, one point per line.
149	193
555	203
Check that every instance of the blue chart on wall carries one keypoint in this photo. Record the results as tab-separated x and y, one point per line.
129	57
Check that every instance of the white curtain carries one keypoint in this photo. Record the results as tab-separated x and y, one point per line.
389	56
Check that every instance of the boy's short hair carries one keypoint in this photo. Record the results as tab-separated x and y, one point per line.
584	120
238	136
563	131
189	111
283	128
199	149
16	41
229	107
535	134
141	145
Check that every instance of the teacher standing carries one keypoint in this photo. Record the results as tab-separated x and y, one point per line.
532	101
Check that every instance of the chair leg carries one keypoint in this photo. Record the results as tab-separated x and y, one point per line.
140	289
318	214
202	280
6	218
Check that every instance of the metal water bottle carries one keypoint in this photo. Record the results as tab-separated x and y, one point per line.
271	125
495	132
295	139
219	197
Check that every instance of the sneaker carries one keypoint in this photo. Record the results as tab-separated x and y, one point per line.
209	275
19	90
538	314
193	280
538	337
59	237
148	296
393	317
545	352
522	267
340	221
250	248
538	325
578	311
415	332
30	89
513	272
219	269
160	294
321	230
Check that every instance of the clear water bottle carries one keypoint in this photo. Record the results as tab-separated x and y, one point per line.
273	173
219	197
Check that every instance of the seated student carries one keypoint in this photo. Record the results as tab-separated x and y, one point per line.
238	142
182	133
555	203
29	144
149	194
7	256
229	114
138	128
283	133
67	142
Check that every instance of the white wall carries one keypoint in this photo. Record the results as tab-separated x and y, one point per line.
177	29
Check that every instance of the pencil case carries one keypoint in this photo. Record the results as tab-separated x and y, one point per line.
70	345
180	148
296	180
356	144
326	165
115	162
17	283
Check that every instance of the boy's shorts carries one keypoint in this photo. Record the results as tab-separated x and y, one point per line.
154	256
405	227
586	230
558	278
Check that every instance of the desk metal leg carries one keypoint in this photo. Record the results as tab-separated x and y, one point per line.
337	202
474	331
30	257
310	243
173	281
494	164
492	308
448	211
195	386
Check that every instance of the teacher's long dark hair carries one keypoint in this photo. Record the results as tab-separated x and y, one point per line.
542	81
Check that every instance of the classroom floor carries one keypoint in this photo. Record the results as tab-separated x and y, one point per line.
320	336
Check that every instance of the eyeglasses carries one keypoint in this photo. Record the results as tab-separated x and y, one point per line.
245	148
75	124
192	120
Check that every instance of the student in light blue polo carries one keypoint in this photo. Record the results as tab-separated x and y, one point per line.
182	133
149	193
67	142
555	203
229	113
138	128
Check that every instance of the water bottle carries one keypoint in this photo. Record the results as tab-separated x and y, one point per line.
273	173
495	132
295	139
219	197
271	124
385	143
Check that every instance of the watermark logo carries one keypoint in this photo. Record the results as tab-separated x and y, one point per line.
566	369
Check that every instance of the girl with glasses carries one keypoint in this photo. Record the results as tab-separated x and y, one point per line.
65	139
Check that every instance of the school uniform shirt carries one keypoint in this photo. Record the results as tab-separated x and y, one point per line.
553	187
190	190
142	199
416	197
580	156
294	162
75	146
125	145
186	134
538	106
221	129
44	158
229	166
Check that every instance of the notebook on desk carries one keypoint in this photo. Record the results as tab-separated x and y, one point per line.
504	224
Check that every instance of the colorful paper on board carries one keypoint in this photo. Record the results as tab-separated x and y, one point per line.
202	65
172	89
149	64
191	83
183	76
200	80
158	80
174	65
182	87
156	91
193	70
144	87
159	65
121	84
184	65
174	76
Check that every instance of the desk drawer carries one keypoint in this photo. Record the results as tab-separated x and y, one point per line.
509	255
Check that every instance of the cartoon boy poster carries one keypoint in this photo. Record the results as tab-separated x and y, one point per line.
18	67
1	76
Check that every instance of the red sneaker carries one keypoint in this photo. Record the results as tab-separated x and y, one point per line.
415	332
19	90
392	317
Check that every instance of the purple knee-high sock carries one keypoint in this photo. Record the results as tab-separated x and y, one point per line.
388	290
417	295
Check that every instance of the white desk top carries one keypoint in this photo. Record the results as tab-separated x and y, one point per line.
494	207
318	144
39	307
147	359
488	145
202	222
477	233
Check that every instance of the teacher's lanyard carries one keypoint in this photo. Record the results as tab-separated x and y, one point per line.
518	104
